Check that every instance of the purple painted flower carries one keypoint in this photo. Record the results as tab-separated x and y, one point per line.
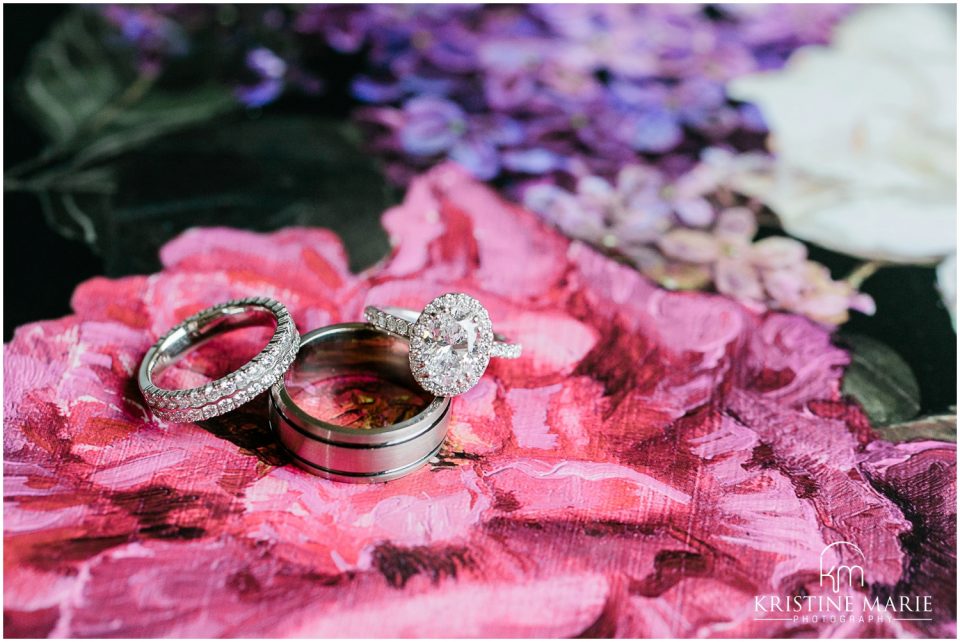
563	209
432	126
509	90
344	27
270	71
535	160
655	130
376	91
593	87
621	80
596	114
624	214
155	35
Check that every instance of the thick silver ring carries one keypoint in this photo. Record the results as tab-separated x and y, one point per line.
451	341
234	389
380	453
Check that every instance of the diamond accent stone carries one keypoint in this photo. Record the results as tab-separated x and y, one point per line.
228	385
505	350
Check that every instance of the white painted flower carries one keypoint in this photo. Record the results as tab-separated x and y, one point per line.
947	284
864	137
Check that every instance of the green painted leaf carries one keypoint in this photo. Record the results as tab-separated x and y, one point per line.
939	428
134	160
157	114
93	105
75	204
256	173
70	78
881	381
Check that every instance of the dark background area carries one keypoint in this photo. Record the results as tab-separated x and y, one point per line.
297	163
42	267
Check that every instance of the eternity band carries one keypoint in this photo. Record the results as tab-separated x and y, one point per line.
451	341
235	388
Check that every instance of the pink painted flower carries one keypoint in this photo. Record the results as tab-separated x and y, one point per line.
652	463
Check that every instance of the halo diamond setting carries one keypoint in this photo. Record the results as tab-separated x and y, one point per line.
451	341
450	344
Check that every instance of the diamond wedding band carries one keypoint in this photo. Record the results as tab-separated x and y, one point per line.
451	341
234	389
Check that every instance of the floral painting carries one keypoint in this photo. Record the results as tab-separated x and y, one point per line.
723	234
652	464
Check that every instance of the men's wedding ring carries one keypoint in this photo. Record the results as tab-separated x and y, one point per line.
233	389
451	341
347	374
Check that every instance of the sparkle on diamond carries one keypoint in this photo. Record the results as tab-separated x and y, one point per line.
452	344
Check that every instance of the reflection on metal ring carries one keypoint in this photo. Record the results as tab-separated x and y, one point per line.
378	453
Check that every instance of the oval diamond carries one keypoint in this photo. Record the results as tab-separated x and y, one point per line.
453	350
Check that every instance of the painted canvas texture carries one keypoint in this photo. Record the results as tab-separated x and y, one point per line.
653	464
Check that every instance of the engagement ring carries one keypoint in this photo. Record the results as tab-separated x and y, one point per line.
451	341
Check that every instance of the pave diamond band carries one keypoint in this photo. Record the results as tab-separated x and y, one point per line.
505	350
451	341
234	389
391	321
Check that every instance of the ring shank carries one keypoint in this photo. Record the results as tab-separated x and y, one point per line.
194	334
400	321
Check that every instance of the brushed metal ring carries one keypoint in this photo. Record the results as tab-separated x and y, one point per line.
380	453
